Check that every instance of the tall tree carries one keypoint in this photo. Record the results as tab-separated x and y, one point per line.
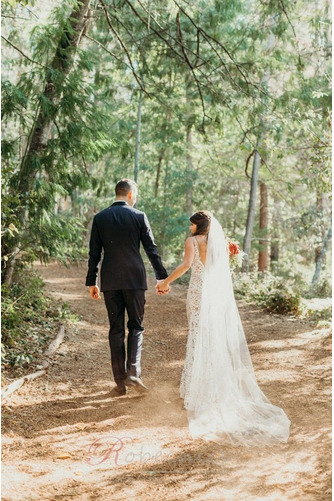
263	226
39	136
257	157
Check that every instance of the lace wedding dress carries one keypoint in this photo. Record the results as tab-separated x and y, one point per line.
193	310
218	384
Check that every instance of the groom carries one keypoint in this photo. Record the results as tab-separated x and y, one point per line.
118	231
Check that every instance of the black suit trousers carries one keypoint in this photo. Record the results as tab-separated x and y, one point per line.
133	302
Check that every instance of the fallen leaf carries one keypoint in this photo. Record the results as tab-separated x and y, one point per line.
64	455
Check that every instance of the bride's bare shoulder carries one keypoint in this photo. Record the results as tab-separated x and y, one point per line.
190	240
201	240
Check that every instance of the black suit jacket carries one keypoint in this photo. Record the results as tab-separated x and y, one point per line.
118	230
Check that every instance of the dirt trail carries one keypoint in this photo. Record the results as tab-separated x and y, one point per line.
65	438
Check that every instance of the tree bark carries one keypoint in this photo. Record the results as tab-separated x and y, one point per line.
320	210
190	167
157	178
263	242
189	147
321	255
251	207
274	241
165	203
138	136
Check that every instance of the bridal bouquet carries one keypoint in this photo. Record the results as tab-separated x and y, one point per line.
236	254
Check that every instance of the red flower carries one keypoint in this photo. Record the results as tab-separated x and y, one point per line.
233	248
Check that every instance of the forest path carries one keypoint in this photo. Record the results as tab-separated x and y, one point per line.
65	438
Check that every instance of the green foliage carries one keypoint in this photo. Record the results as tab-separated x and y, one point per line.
323	289
273	293
206	104
321	317
29	319
13	3
34	185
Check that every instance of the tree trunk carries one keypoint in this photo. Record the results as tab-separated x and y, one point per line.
9	270
320	210
138	136
62	62
40	133
251	207
157	179
189	195
236	209
274	249
321	255
263	242
189	148
274	241
165	203
256	164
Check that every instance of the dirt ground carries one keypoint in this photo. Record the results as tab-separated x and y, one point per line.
65	437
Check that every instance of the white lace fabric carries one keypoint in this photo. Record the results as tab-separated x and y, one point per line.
194	298
218	384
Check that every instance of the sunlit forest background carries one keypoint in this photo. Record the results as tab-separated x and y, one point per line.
218	105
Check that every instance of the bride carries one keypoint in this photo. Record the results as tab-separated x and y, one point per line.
218	384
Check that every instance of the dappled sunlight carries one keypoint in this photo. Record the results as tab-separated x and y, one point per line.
174	364
317	333
67	296
318	303
69	432
277	344
61	280
277	375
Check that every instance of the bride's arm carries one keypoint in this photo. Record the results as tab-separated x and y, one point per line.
189	253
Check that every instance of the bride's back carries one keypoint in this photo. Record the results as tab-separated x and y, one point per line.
202	246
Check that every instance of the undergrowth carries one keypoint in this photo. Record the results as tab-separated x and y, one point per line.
30	320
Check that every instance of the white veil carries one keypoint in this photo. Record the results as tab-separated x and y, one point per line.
225	401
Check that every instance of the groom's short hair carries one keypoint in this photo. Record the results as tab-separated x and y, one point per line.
124	186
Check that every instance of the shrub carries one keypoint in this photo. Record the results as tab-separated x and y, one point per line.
322	289
281	300
29	319
273	293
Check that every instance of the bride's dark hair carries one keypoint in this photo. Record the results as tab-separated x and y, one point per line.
202	220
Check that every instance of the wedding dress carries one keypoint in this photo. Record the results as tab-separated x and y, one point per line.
218	384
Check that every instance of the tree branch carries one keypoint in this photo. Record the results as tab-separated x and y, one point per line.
22	53
207	36
153	29
293	29
123	47
247	163
107	50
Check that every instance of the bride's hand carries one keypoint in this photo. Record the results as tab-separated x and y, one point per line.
162	287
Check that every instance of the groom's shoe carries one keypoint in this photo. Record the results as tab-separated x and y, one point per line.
136	383
118	391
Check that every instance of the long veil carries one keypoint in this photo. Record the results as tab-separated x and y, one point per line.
225	401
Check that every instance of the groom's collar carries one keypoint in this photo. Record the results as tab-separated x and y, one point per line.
120	202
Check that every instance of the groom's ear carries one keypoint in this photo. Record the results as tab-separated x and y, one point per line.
132	195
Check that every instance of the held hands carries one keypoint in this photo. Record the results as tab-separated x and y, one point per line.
162	288
94	292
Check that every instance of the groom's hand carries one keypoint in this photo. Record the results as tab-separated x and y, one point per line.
94	292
